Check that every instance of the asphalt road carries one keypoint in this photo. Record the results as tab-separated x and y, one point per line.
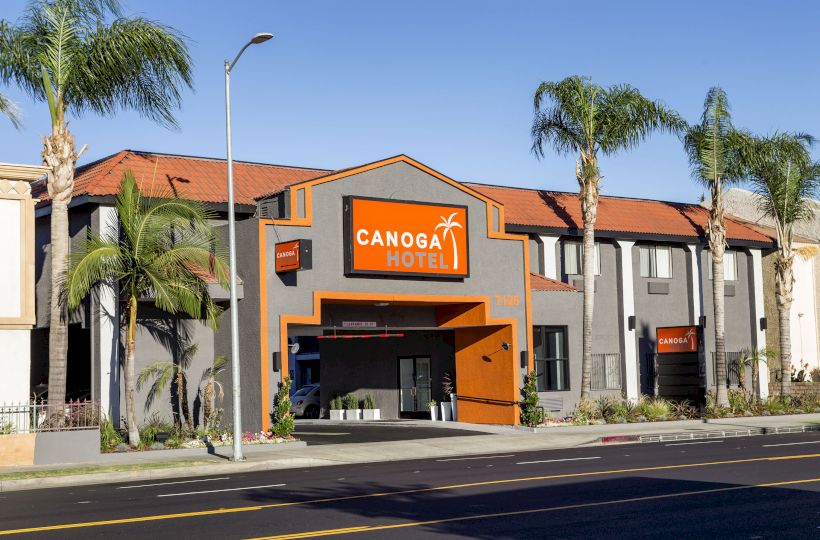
755	487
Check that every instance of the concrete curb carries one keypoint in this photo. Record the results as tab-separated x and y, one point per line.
723	434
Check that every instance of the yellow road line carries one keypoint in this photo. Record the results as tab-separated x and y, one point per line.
364	529
218	511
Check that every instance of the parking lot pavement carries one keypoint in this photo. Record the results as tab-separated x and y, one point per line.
316	432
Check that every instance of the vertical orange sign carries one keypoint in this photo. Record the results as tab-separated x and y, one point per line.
406	238
677	339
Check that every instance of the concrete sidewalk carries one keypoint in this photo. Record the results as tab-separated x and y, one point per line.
497	439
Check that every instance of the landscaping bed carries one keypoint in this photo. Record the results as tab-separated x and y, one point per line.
617	410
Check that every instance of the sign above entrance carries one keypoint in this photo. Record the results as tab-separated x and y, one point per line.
358	324
293	255
677	339
405	238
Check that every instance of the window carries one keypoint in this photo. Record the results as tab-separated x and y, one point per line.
656	261
574	256
729	265
551	359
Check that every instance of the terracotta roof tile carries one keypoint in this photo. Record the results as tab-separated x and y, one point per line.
203	179
529	207
543	283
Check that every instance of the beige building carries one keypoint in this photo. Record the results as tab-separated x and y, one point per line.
17	315
805	313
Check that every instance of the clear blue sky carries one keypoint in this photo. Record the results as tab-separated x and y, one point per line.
451	83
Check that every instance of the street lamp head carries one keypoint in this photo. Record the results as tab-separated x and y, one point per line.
261	37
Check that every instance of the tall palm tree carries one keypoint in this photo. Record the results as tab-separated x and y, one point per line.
713	147
783	174
577	116
81	56
10	109
166	250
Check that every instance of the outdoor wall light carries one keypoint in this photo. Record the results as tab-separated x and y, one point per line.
764	324
381	304
630	321
702	321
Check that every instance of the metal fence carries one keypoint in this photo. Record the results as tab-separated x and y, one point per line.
606	371
733	359
33	417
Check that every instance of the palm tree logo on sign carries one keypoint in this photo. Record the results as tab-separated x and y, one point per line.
448	225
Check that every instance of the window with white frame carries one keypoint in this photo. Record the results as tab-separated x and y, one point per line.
729	265
574	258
656	261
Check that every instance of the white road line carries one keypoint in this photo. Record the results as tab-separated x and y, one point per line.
219	490
790	444
180	482
478	457
698	442
557	460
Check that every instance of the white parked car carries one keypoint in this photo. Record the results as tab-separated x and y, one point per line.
305	401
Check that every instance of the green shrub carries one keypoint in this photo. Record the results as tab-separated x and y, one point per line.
351	402
283	421
741	401
173	442
369	402
713	410
7	429
109	436
529	405
432	404
336	403
149	430
653	408
683	410
586	411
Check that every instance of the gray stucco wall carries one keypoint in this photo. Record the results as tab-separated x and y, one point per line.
606	337
372	367
563	309
495	265
657	310
739	323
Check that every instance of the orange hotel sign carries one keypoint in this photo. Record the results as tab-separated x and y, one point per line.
384	236
677	339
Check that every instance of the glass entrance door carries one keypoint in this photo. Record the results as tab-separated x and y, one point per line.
414	383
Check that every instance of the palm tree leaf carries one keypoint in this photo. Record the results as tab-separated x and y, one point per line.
161	371
100	260
135	64
11	110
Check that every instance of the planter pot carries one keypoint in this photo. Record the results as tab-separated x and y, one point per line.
446	411
353	414
337	414
433	413
454	401
371	414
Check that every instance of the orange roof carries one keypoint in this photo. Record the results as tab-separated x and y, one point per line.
543	283
203	179
549	209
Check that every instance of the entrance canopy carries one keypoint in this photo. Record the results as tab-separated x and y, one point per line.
486	371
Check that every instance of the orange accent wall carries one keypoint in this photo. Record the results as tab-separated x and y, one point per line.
486	376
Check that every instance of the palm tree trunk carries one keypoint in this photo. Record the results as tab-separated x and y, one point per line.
130	361
589	208
718	288
784	282
58	325
59	155
716	230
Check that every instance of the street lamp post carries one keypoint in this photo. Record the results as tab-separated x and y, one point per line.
236	393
